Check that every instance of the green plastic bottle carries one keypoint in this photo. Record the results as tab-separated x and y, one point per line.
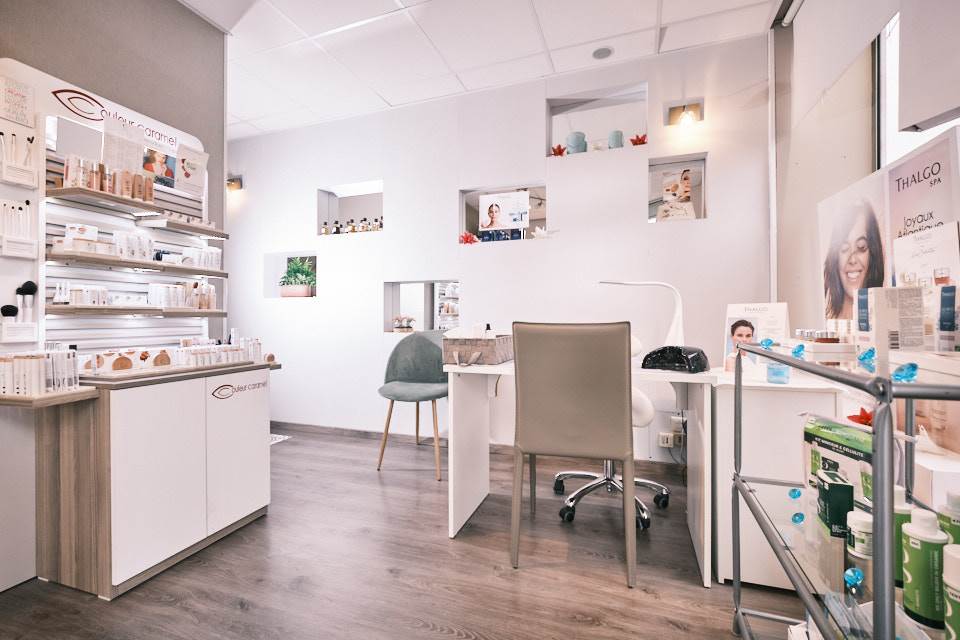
901	516
948	515
951	590
923	543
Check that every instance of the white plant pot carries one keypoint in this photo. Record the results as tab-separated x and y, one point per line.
296	291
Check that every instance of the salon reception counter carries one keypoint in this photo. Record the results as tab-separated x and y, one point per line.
145	473
773	434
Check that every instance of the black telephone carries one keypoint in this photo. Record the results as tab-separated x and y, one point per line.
688	359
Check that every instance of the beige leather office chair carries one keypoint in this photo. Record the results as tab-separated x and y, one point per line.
573	399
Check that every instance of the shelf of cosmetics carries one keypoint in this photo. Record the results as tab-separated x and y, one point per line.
82	241
161	298
35	373
351	226
831	530
15	160
91	175
191	354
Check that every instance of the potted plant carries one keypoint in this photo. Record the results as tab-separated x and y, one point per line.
299	280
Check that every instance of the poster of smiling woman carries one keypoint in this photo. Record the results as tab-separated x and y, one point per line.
855	251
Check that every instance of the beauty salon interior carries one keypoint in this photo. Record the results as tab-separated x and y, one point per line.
642	321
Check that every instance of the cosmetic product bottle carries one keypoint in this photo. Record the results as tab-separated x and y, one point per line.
101	177
126	185
923	544
901	516
826	337
138	187
859	549
324	230
951	589
147	189
948	517
941	275
336	227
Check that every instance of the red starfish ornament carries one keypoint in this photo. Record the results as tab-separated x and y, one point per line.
637	140
558	150
864	417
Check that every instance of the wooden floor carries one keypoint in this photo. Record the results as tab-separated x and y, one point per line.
347	552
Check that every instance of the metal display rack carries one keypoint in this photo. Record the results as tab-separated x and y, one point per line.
884	392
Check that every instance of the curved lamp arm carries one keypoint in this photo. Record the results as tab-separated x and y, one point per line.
675	332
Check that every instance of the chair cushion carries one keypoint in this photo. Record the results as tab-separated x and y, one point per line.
413	391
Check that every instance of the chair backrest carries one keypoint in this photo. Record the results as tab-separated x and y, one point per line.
417	358
573	389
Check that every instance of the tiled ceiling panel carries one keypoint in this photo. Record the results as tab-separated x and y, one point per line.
509	72
570	22
319	16
263	27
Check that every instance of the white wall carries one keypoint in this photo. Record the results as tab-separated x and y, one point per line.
334	349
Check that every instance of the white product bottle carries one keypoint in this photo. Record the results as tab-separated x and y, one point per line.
948	515
923	543
901	516
951	590
860	548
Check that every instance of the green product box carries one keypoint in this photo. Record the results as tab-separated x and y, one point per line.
844	452
834	502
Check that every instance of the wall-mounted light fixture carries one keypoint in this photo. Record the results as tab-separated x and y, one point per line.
234	183
684	114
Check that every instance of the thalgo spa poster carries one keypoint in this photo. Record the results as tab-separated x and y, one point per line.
746	323
510	210
855	250
921	187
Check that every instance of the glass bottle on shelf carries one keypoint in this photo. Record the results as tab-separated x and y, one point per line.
325	230
336	227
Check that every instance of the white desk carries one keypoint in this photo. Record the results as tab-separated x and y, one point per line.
470	391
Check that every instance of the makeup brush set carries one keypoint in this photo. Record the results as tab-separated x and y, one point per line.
16	159
23	311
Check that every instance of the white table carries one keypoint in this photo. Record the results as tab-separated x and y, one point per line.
471	389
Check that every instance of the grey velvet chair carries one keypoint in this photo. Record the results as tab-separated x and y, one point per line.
574	399
415	374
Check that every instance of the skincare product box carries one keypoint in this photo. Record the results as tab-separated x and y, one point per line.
934	476
888	319
836	454
940	318
834	502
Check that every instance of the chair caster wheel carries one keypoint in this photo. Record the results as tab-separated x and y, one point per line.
643	523
567	513
662	500
558	487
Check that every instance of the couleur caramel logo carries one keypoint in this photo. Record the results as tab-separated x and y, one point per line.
226	391
80	103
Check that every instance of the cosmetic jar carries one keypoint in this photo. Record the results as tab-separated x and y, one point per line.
778	373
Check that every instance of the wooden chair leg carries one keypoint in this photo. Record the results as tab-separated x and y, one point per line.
533	484
630	520
386	430
436	440
515	508
418	423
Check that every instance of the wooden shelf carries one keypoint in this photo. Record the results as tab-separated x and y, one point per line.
94	259
108	201
140	310
153	372
167	224
50	399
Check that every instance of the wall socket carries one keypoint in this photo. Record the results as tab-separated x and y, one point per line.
666	439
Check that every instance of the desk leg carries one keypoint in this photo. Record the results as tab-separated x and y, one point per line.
468	452
698	403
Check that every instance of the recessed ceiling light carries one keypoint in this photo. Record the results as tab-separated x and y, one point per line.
602	52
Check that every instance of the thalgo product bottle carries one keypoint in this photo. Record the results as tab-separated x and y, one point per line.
923	543
860	548
901	516
948	517
951	590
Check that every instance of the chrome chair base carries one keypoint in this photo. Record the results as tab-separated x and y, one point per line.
611	481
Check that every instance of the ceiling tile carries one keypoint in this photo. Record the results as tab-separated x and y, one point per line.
509	72
633	45
241	130
223	13
249	97
288	120
569	22
262	27
677	11
309	76
715	28
317	17
416	90
476	34
386	51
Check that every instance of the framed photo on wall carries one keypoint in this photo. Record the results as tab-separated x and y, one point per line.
500	211
676	189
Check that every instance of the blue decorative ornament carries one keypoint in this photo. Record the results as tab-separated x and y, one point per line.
905	372
766	343
798	351
795	493
853	577
797	518
867	355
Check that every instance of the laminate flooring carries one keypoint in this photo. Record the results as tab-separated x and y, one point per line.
347	552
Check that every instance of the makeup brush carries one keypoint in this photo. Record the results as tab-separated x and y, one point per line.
3	148
29	289
19	302
29	153
8	311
